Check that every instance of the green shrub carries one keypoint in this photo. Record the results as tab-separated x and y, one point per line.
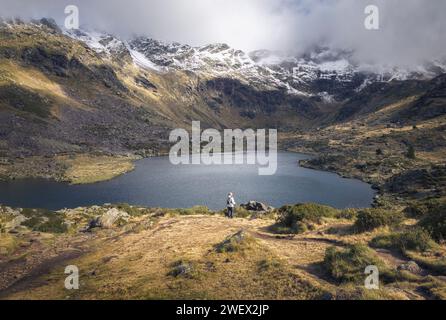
434	264
201	210
269	264
348	265
32	222
196	210
182	268
416	239
234	243
419	209
436	288
44	221
131	210
369	219
241	212
411	152
435	222
300	217
347	214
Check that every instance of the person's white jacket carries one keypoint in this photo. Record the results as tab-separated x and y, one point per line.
231	202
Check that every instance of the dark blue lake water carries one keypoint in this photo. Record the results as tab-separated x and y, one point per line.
157	183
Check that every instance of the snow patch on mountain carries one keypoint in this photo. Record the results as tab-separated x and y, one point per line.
140	60
99	42
268	70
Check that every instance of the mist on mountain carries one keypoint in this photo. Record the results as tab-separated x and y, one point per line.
411	31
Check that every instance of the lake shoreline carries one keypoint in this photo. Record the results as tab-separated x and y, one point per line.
40	167
154	181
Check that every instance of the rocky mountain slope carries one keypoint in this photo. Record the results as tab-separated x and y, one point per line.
70	93
144	85
81	106
323	72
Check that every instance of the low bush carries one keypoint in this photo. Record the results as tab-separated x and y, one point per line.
429	262
300	217
416	239
348	265
234	243
411	152
196	210
269	264
369	219
182	268
130	210
44	221
347	214
435	288
435	222
419	209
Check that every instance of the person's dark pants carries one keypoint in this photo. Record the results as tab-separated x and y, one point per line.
230	212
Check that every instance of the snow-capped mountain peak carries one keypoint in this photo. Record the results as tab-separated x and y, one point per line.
310	73
98	41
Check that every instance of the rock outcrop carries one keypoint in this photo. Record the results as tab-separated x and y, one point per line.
10	219
231	243
410	266
109	219
256	206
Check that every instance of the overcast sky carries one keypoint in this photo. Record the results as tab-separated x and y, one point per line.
411	31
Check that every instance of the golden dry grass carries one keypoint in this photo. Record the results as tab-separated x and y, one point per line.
137	265
90	169
36	81
8	244
136	262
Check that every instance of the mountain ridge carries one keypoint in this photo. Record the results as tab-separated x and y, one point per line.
64	97
294	73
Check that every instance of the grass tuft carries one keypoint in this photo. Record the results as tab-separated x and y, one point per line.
435	222
182	268
234	243
416	239
370	219
348	265
301	217
44	221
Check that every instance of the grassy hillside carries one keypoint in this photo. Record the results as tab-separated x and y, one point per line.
147	253
402	157
75	99
71	114
60	98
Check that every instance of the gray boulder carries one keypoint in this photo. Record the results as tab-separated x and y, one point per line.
231	243
108	219
182	269
256	206
410	266
15	222
10	218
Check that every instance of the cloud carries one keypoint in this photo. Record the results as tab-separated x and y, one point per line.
411	31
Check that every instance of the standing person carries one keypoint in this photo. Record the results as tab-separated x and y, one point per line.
230	204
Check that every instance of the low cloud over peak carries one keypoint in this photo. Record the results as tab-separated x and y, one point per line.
411	31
